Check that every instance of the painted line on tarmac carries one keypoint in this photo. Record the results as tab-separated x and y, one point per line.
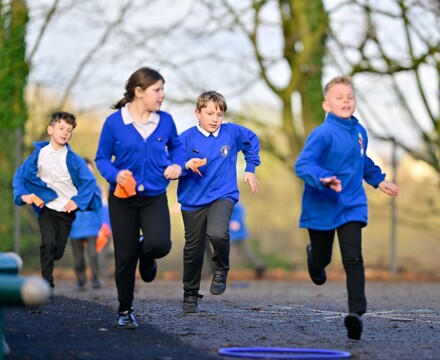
413	315
315	315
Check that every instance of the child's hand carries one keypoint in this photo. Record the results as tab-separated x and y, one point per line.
172	172
234	225
122	176
28	199
70	206
251	179
332	182
194	164
389	188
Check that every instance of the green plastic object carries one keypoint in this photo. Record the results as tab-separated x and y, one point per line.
10	263
23	290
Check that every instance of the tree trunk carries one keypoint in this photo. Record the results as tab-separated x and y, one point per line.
13	112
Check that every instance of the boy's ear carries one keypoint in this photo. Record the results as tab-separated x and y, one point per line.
50	129
326	106
197	112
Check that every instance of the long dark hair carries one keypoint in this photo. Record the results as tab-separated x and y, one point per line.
143	77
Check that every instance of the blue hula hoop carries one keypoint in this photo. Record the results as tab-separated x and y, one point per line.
283	353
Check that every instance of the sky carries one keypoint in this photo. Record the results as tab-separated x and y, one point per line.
73	35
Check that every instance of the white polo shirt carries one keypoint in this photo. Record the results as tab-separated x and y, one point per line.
52	169
145	130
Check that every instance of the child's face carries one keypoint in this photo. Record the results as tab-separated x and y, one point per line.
210	117
340	101
60	133
152	97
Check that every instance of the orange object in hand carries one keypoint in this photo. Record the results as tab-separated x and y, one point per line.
127	189
37	201
201	162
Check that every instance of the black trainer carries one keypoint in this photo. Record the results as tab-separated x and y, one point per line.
126	320
353	323
318	276
80	286
52	292
260	271
190	303
218	284
96	284
147	268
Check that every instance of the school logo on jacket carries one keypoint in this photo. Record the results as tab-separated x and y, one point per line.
225	150
361	143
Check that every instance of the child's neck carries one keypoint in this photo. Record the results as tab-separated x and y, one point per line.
138	113
56	146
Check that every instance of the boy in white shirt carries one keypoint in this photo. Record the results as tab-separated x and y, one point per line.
56	182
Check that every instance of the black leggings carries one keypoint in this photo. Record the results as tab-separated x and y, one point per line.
350	244
128	217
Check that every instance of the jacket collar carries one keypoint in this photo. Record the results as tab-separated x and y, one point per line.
41	144
348	124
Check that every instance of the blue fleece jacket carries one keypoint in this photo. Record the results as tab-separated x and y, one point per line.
26	181
336	148
219	180
238	215
121	147
87	223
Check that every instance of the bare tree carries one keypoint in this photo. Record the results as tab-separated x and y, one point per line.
394	51
281	50
13	111
286	48
208	44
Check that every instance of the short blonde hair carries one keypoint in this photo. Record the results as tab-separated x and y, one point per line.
346	80
207	96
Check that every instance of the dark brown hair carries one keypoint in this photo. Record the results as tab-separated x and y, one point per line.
143	77
63	115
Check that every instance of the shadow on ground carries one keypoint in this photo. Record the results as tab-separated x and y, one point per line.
65	328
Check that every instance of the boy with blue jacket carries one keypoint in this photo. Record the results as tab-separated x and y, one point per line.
333	165
207	194
56	182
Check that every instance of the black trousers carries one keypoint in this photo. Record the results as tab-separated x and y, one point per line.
55	229
210	223
350	244
128	217
79	246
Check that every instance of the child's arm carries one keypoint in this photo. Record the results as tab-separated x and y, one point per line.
389	188
249	144
176	151
307	166
85	182
172	172
251	179
70	206
32	199
332	182
194	164
28	199
122	176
